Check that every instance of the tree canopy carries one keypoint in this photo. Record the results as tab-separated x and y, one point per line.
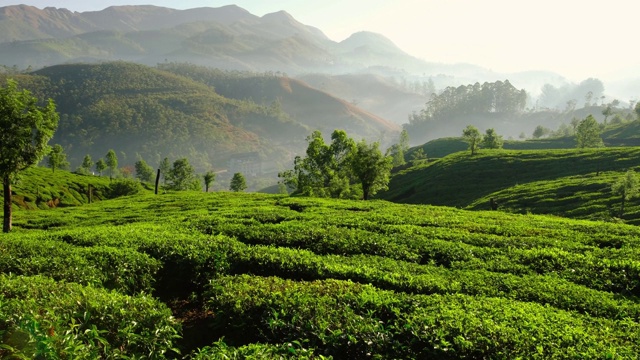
588	133
342	169
238	183
627	188
472	136
182	176
25	130
492	140
57	158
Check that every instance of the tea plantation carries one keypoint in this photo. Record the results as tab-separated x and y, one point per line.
235	276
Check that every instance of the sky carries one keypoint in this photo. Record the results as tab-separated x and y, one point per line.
575	38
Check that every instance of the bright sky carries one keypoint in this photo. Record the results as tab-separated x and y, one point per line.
576	38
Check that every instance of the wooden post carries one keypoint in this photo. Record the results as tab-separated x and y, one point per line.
157	181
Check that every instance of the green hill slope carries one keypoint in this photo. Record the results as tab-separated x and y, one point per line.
460	179
40	188
251	275
136	109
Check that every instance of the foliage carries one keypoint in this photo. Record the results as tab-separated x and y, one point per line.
491	140
238	183
124	187
588	133
182	176
87	164
342	169
111	162
57	158
144	172
497	97
472	136
101	166
25	130
371	168
165	169
398	151
540	132
627	188
209	178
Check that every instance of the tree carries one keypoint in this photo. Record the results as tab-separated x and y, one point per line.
87	163
112	162
608	111
371	168
238	183
57	158
100	166
492	140
398	150
209	178
540	131
182	176
626	187
418	155
144	172
25	130
588	133
325	171
165	167
636	109
472	136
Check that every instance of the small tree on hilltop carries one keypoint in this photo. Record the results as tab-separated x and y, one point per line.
626	187
57	158
25	130
87	163
182	176
112	162
100	166
209	178
165	168
144	172
238	183
588	134
472	136
492	140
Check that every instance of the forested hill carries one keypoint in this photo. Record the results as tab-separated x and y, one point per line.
307	105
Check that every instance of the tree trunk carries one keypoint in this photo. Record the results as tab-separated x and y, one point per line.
365	192
157	181
6	187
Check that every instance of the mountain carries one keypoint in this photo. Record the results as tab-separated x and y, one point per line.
228	37
374	93
174	111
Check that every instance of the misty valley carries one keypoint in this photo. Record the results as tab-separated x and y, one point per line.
212	184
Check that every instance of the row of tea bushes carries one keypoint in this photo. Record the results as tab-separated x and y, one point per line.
353	321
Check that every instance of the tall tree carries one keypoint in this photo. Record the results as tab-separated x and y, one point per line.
371	168
87	163
492	140
627	188
144	172
472	136
182	176
209	178
165	168
399	150
57	159
25	130
100	166
588	133
112	162
238	183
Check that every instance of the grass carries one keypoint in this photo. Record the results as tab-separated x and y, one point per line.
462	180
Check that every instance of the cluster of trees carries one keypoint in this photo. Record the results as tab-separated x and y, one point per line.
569	95
473	137
496	97
342	169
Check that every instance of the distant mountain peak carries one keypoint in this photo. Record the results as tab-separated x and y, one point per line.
370	40
279	16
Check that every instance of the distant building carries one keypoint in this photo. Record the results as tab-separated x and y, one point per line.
249	164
